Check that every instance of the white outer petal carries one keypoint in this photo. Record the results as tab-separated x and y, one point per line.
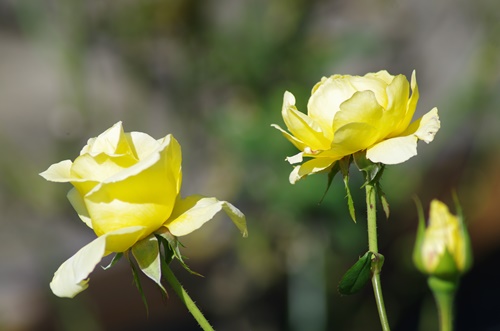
72	276
58	172
297	158
193	211
399	149
310	167
294	175
394	150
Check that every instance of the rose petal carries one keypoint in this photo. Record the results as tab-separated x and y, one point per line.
394	150
72	276
326	97
195	210
372	82
362	107
399	149
296	142
413	100
297	158
142	195
410	111
302	126
61	172
174	157
310	167
397	93
123	239
58	172
111	142
354	137
169	148
112	214
442	234
142	144
382	75
100	167
78	204
427	126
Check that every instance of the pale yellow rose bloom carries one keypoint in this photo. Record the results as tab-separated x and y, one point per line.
347	114
127	186
444	239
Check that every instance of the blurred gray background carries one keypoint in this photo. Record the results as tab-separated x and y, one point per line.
213	74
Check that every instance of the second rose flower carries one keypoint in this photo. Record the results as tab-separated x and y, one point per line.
347	114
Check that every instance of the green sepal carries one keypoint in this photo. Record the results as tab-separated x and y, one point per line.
383	199
137	282
465	235
357	276
147	254
171	245
172	249
443	287
447	268
373	171
115	259
331	174
419	241
344	165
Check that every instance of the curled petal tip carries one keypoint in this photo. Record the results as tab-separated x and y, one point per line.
429	126
288	99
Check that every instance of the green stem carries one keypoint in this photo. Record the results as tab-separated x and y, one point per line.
378	259
444	293
185	298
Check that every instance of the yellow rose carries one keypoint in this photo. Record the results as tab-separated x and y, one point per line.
126	187
443	248
347	114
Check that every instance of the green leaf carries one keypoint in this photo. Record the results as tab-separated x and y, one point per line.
357	276
344	165
350	202
137	282
115	259
147	254
331	174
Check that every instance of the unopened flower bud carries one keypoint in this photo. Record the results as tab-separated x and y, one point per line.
443	248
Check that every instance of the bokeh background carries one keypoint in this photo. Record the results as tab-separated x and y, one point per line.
213	73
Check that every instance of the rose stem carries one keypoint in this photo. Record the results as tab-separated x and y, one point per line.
444	292
185	298
373	247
